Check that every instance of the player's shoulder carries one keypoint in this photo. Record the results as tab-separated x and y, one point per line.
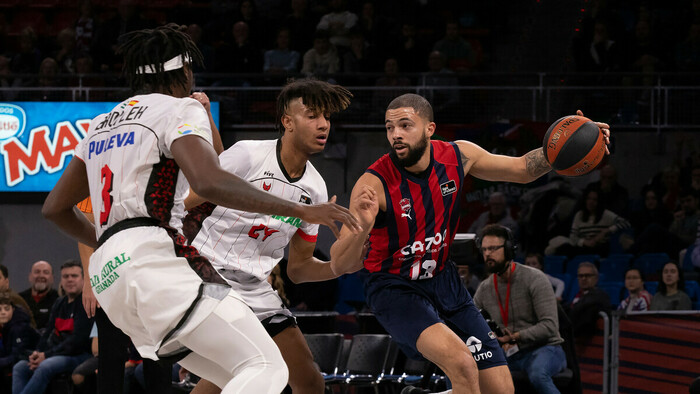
254	144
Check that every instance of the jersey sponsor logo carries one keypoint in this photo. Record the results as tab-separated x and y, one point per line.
305	199
108	274
431	245
268	173
12	121
296	222
254	232
448	187
115	141
129	113
405	205
475	345
40	152
267	186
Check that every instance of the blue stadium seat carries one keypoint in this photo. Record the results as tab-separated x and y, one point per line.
614	266
651	263
570	291
572	265
651	287
692	288
614	290
554	264
567	279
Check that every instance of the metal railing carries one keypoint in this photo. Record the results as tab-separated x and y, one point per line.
663	101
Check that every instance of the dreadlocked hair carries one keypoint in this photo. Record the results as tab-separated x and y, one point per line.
319	96
153	47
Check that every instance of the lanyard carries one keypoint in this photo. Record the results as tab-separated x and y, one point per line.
504	313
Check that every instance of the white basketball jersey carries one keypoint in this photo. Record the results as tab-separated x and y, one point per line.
130	169
243	245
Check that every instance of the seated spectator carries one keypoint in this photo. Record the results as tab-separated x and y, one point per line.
639	299
49	80
40	296
241	56
611	195
338	23
536	260
670	295
459	52
64	344
323	58
498	212
680	234
360	57
16	299
588	302
66	53
391	78
281	60
521	301
652	213
590	230
84	375
685	220
446	106
17	338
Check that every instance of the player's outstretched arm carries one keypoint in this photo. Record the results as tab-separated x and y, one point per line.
347	252
200	164
60	209
302	266
523	169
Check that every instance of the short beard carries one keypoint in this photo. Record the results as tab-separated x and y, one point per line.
44	285
414	153
497	267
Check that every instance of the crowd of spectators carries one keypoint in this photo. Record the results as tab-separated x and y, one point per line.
285	38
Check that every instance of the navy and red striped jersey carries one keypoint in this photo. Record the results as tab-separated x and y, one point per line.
413	237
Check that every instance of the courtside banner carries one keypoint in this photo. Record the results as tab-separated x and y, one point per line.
38	139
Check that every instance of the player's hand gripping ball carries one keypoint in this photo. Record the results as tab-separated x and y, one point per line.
574	145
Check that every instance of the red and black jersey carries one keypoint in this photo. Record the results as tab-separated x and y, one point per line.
413	237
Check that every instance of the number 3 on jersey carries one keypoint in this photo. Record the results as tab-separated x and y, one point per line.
106	176
427	266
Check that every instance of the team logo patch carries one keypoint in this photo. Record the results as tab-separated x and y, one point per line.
305	199
185	129
448	187
266	186
405	205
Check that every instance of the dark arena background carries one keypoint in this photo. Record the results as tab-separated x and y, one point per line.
497	73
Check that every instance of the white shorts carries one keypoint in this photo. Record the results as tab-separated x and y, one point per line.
149	292
259	295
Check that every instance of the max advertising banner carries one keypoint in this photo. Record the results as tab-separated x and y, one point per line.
38	139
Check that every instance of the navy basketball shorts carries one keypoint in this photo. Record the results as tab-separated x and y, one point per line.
405	308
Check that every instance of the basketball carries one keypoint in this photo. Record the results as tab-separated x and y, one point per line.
574	145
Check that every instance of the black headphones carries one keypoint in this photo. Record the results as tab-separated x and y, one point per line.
509	247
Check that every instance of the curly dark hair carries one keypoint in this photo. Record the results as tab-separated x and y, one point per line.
153	47
319	96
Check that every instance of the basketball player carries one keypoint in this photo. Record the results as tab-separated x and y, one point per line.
412	287
244	247
159	291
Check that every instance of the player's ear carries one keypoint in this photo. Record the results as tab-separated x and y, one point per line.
286	122
431	128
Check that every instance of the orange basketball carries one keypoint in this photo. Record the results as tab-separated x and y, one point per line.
574	145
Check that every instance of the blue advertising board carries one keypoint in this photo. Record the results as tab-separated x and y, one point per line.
38	139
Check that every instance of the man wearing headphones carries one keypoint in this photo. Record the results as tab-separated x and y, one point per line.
521	301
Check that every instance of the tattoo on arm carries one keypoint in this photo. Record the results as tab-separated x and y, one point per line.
536	163
465	159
